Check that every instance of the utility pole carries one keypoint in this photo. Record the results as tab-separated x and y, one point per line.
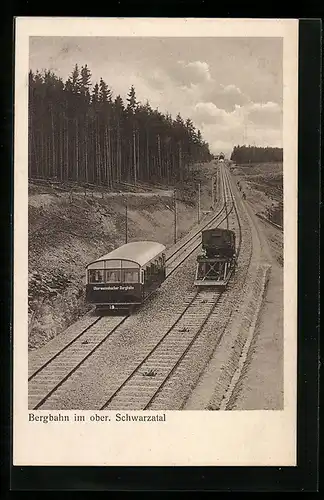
199	203
212	192
126	222
134	156
175	215
245	133
180	162
216	187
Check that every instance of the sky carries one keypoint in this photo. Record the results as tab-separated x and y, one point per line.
231	88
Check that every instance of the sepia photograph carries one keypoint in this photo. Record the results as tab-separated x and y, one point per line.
156	221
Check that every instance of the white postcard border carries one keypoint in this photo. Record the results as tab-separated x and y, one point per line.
187	437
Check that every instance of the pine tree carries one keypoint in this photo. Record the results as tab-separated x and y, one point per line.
85	85
105	100
131	109
118	110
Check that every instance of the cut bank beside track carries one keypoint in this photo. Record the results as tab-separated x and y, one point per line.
48	374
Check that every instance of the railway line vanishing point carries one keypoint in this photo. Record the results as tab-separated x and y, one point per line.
145	381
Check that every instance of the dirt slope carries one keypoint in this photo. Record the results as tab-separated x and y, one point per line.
65	233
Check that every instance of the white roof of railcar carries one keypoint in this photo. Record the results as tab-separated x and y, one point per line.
140	252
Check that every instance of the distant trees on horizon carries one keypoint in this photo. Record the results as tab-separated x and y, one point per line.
254	154
80	132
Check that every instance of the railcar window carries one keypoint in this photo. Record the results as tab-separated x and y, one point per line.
113	276
130	276
96	276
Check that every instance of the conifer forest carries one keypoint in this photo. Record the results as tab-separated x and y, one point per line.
79	131
253	154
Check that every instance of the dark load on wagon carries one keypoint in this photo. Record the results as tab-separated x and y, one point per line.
218	242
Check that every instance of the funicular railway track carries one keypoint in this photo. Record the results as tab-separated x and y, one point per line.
49	373
145	382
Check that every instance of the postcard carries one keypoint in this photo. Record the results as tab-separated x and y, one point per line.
155	242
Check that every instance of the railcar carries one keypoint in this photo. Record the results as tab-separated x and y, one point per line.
125	277
217	261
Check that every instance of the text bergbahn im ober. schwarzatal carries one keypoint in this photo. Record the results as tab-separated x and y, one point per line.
96	417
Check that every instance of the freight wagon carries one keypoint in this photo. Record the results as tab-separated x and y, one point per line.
217	261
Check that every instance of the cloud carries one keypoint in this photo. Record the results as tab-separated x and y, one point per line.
194	72
197	71
224	138
259	114
253	123
267	114
268	106
182	74
207	112
224	96
157	79
193	85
